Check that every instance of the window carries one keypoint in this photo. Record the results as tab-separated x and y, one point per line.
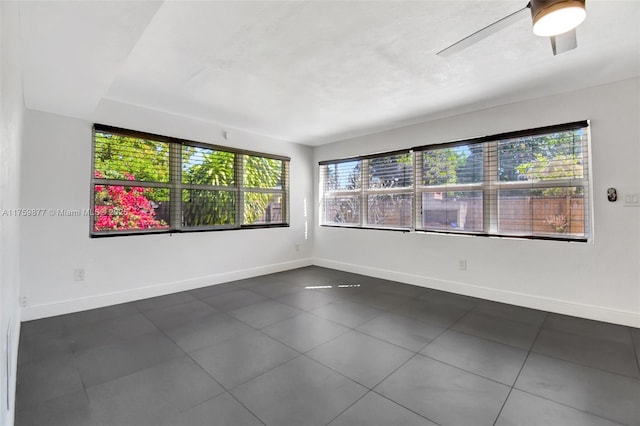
342	192
264	189
530	184
451	188
374	192
146	183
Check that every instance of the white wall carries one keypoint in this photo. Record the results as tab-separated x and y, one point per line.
599	280
55	175
11	99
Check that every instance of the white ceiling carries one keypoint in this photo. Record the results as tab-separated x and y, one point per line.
308	71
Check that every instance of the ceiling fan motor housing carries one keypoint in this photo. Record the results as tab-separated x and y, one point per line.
542	8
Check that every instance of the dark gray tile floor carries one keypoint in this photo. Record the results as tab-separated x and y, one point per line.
315	346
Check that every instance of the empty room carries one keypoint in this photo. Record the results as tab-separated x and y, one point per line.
304	213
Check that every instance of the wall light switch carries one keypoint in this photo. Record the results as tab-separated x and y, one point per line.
632	200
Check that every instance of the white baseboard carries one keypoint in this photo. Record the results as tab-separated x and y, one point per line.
599	313
10	359
161	289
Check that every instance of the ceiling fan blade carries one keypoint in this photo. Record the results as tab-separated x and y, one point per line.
563	42
485	32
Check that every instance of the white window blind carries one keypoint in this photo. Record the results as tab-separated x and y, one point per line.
265	188
145	183
342	192
531	184
542	186
451	190
131	183
389	191
374	191
208	189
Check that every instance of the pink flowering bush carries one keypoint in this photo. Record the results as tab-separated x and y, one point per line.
123	208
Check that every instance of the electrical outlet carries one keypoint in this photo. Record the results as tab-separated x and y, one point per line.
297	247
78	274
23	301
462	264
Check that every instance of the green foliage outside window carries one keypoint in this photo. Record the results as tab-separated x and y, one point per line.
208	181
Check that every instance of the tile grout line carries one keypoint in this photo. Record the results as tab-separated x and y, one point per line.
568	406
464	370
637	378
212	378
543	328
259	330
582	335
73	353
533	342
450	328
415	354
350	329
372	389
406	408
383	312
349	406
67	332
466	333
636	349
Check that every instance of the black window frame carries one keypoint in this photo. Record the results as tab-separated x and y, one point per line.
176	186
369	193
489	187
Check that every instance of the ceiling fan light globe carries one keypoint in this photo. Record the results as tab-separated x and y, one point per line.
559	18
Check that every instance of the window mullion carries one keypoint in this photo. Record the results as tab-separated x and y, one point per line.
176	185
417	183
490	202
523	186
175	181
239	188
285	191
364	186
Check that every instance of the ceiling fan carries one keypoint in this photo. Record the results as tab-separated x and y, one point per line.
556	19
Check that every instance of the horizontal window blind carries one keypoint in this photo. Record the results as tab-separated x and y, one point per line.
373	192
542	184
145	183
451	188
342	183
265	188
530	183
208	196
131	189
389	191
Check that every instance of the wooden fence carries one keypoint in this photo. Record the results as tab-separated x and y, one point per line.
516	214
542	214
